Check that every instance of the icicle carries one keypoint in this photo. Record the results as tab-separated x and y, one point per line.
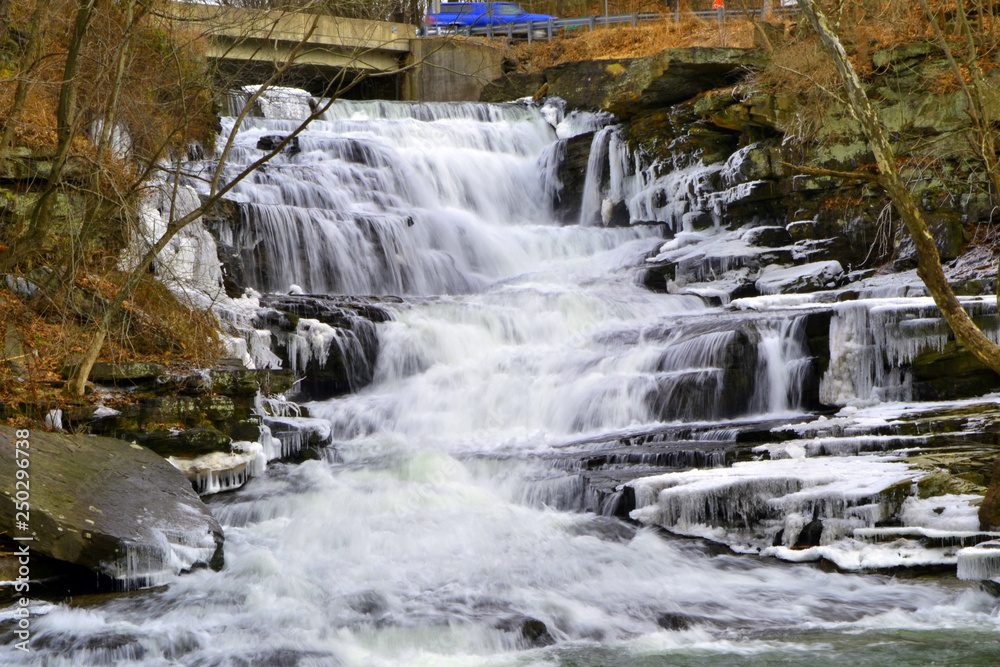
218	472
873	339
745	505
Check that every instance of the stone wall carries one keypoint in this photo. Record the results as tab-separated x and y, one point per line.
449	69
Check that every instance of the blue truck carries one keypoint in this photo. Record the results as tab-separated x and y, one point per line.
456	16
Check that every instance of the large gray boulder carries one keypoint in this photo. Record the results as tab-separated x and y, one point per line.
628	86
117	509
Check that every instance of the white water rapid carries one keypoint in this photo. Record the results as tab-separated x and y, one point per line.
452	521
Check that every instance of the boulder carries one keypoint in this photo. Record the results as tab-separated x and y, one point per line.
117	509
512	86
271	141
531	631
628	86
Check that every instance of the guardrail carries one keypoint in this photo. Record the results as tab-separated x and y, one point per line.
547	29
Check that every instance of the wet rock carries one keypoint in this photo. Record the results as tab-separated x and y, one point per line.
769	237
125	372
271	141
336	311
536	633
329	342
723	390
369	603
234	279
572	174
673	621
532	631
657	275
810	534
117	509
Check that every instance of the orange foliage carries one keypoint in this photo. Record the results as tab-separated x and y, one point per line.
631	42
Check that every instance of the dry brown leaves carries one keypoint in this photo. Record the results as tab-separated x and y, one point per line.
629	42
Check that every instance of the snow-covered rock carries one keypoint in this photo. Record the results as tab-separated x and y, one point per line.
775	279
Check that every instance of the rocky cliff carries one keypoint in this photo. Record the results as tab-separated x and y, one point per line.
687	105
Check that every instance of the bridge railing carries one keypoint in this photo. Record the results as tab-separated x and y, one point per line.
546	30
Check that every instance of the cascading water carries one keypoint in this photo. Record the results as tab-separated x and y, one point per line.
444	525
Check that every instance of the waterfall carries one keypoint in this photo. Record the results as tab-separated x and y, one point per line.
783	366
468	504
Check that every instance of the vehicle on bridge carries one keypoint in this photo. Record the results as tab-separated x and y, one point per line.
456	16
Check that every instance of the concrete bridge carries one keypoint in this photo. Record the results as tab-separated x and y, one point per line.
237	35
251	43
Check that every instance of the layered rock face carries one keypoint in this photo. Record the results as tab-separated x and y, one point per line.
718	165
329	343
681	106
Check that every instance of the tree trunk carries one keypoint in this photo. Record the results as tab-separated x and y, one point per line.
4	19
928	260
27	63
67	126
77	384
78	380
104	143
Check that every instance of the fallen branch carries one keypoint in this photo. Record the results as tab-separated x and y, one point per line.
818	171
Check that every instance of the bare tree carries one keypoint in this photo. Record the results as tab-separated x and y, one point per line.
29	58
217	190
929	261
132	69
975	89
4	19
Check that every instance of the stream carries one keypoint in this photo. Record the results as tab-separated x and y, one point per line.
470	509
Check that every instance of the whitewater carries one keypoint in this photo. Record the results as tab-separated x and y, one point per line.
452	519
